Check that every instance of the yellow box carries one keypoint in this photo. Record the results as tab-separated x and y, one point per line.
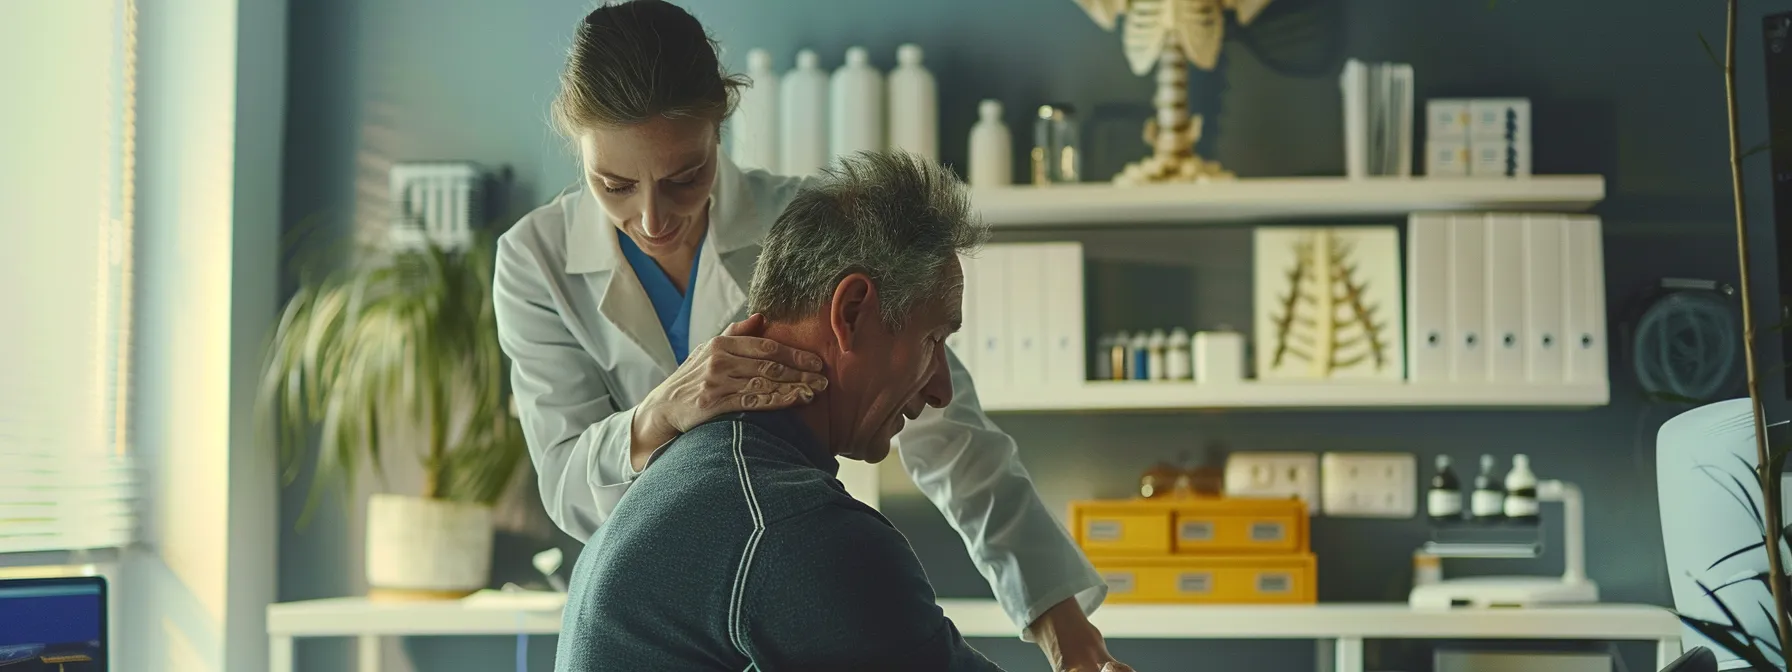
1239	525
1121	527
1215	579
1189	526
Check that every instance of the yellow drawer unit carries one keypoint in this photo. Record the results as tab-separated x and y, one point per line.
1205	526
1218	579
1121	527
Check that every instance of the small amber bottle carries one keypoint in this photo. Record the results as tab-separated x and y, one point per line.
1159	481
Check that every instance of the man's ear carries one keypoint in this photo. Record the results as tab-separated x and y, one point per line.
853	309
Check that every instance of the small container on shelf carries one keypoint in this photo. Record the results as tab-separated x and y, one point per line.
1154	355
1159	480
1104	361
1443	501
1138	357
1120	356
1488	503
1177	357
1056	156
991	151
1219	357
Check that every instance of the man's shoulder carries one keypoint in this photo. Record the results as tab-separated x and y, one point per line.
772	478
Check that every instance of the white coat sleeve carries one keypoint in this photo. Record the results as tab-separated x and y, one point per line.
969	468
578	438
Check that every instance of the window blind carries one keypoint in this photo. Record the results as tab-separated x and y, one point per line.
66	166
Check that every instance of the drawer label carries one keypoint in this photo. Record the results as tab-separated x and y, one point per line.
1275	582
1195	582
1118	582
1267	532
1105	530
1196	530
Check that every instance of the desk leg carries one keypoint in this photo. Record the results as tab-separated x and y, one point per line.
1348	654
280	654
369	653
1667	649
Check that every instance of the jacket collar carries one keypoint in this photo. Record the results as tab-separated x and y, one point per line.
787	426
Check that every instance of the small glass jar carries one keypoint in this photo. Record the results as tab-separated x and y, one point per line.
1057	155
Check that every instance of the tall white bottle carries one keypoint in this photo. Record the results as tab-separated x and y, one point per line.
803	137
914	105
992	148
755	123
857	92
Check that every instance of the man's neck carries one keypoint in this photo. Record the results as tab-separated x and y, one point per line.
816	415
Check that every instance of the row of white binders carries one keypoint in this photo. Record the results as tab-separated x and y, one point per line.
1023	316
1505	298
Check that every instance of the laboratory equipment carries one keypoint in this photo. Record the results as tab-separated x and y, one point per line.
1572	587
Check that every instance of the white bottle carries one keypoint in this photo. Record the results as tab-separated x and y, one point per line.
1521	491
755	123
914	106
857	106
992	148
1177	356
803	135
1156	364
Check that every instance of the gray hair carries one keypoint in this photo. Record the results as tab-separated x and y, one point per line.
894	216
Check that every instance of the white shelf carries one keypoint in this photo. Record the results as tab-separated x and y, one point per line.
1258	199
357	616
984	618
354	616
1149	395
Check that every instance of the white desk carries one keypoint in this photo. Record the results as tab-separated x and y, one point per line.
1339	629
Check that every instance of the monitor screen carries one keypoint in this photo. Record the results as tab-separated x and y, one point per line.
53	624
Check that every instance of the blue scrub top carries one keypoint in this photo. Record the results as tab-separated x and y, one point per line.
673	308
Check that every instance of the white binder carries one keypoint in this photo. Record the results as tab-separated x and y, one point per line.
1427	297
962	342
1505	299
1066	355
1584	337
1026	314
992	320
1545	291
1468	298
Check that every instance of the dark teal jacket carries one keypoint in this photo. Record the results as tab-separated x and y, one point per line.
737	549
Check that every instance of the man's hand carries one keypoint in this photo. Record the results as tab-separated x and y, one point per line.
1071	643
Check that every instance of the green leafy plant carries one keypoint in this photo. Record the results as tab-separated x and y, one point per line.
1758	651
398	347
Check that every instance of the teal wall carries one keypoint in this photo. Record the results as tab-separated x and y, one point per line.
1622	89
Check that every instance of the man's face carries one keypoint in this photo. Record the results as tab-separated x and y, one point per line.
893	376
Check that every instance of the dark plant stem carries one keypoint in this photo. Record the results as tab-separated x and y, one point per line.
1770	490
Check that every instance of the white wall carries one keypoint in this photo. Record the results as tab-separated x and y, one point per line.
211	79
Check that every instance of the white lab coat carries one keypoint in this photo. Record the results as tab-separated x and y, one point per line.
586	347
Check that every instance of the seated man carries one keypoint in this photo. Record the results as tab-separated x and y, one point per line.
738	549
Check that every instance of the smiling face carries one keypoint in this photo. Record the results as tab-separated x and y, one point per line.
653	180
886	378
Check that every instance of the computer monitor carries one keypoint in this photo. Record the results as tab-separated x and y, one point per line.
53	625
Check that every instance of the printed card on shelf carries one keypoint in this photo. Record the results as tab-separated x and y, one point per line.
1328	303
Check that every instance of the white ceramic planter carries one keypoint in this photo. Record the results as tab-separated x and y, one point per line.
427	548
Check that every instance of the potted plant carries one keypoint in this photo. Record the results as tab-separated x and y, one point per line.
399	349
1761	647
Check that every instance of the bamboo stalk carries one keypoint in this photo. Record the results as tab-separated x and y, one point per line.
1769	481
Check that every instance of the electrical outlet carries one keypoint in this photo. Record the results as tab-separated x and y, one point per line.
1369	485
1274	475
